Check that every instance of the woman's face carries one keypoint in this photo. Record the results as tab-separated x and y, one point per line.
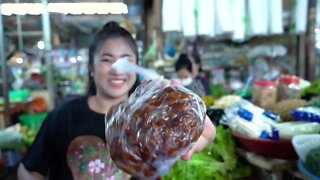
110	83
183	74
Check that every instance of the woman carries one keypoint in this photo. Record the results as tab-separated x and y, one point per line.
196	69
71	142
183	68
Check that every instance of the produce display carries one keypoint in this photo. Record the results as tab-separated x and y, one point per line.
31	124
225	101
28	135
218	91
217	161
253	121
307	146
287	130
151	130
285	107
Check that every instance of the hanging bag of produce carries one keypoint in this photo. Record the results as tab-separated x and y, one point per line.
154	127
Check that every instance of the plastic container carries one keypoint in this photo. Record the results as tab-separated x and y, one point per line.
304	143
19	95
288	88
306	172
264	93
281	149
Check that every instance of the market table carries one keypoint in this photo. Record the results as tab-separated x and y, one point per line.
275	166
15	108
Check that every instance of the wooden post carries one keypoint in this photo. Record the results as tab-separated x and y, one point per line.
310	46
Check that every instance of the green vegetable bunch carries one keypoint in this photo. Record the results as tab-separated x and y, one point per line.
313	161
216	161
218	91
314	88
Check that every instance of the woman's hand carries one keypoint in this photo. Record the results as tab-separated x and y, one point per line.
207	136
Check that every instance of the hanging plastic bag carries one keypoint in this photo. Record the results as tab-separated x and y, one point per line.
154	127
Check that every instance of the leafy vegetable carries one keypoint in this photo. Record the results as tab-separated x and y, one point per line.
216	161
218	91
314	102
314	88
313	161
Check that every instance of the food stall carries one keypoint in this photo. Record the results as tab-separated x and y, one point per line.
264	90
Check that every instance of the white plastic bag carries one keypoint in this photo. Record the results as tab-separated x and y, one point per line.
154	127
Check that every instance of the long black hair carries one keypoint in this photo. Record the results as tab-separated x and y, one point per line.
109	30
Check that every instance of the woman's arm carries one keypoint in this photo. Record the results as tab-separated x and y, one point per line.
24	174
207	136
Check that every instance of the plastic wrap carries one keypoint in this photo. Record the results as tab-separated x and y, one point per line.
153	128
288	130
250	120
311	114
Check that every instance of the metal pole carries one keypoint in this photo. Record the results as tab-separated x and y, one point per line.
19	31
47	43
6	108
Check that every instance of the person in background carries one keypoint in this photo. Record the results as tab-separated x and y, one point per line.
196	70
183	68
71	142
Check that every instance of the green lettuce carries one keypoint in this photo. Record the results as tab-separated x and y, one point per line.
313	161
216	161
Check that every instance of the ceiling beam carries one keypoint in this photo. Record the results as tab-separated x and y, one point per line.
23	33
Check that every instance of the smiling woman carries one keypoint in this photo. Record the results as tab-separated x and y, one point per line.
71	142
106	49
109	82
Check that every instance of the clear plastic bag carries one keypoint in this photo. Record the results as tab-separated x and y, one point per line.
154	127
304	143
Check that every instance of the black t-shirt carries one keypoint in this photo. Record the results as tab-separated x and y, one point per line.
71	143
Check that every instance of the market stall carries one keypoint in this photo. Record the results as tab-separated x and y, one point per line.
258	60
260	75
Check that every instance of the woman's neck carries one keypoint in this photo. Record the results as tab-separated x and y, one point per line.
103	104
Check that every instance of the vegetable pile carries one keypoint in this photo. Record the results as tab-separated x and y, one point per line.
216	161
